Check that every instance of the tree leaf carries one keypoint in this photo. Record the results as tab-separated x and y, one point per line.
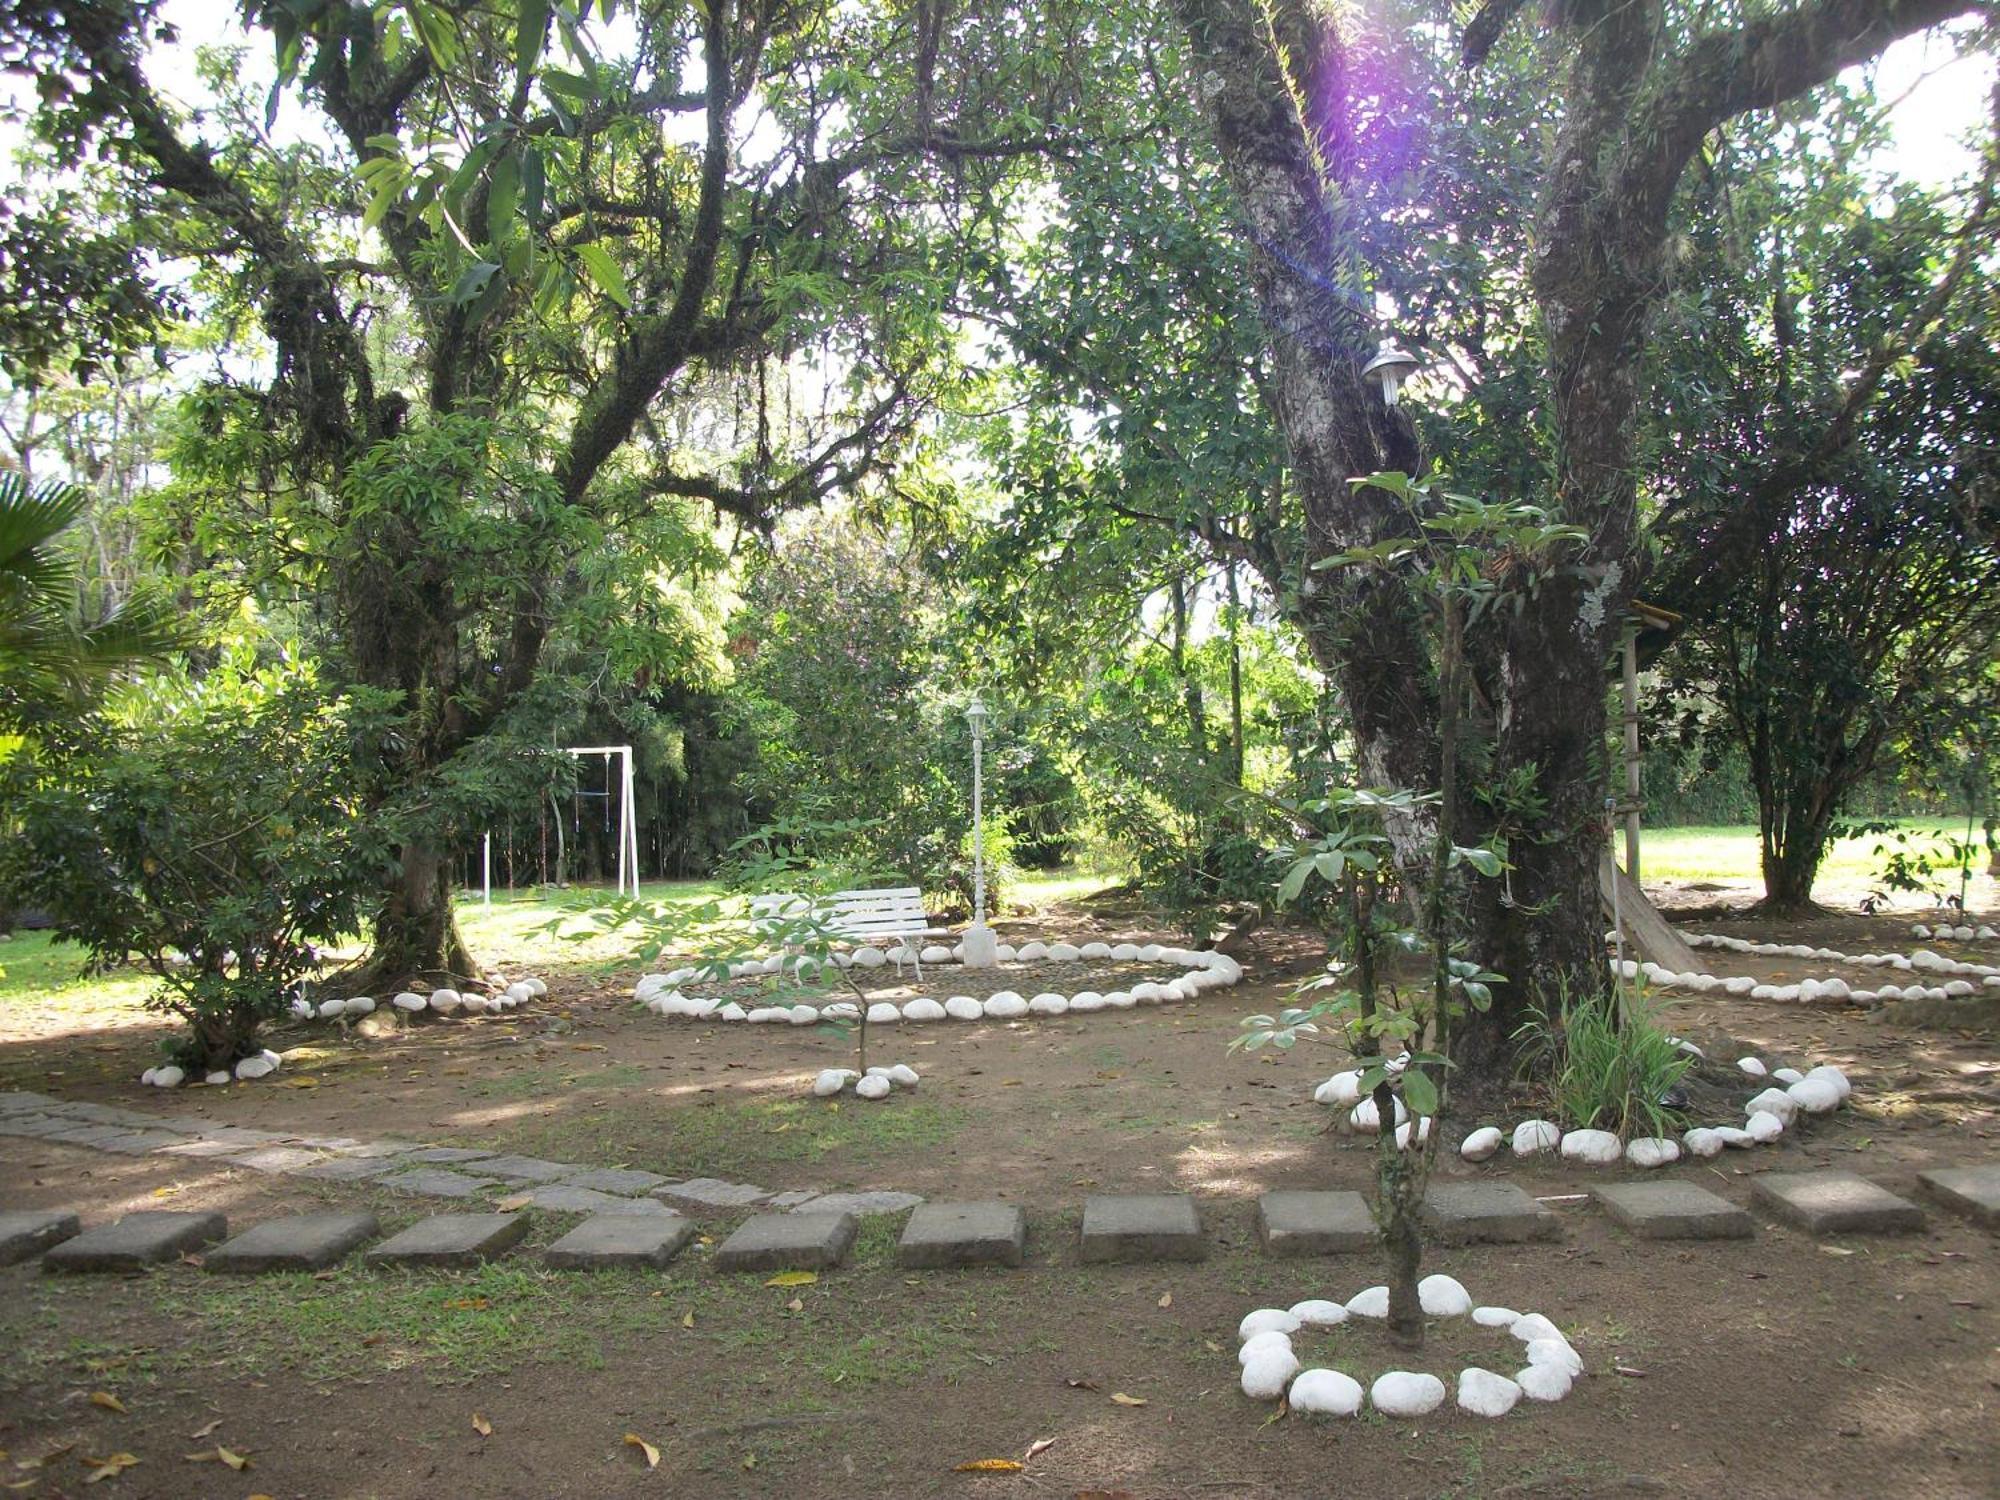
1121	1399
235	1461
646	1449
108	1401
793	1278
989	1466
602	269
481	1426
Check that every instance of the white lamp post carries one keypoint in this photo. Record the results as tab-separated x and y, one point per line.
1390	368
980	945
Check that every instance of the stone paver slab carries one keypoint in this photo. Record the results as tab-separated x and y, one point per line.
347	1169
142	1142
373	1150
626	1180
136	1241
942	1235
19	1101
864	1204
564	1198
1673	1210
205	1148
436	1182
1141	1226
1487	1213
451	1240
524	1169
1835	1203
276	1159
610	1241
1974	1191
34	1125
713	1192
446	1155
304	1243
26	1233
88	1134
1307	1223
789	1242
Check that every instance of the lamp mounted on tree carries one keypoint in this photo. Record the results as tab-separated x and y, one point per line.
1391	368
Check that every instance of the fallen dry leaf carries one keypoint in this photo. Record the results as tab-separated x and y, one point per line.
1037	1446
45	1460
793	1278
108	1401
797	1304
987	1466
1121	1399
481	1426
470	1304
109	1468
1166	1300
517	1200
203	1432
1081	1385
688	1321
646	1449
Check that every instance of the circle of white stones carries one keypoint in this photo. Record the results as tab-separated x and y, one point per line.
1551	1364
663	996
1960	980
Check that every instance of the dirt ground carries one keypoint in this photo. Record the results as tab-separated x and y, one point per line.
1779	1366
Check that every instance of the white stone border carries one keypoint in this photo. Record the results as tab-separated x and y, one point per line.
1767	1116
661	993
1959	986
1958	934
1271	1367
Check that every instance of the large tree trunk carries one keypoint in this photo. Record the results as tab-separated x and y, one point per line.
416	931
1790	856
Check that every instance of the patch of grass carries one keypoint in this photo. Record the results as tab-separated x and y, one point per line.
721	1139
1730	853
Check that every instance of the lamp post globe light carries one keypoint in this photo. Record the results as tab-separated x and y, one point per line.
980	944
1391	367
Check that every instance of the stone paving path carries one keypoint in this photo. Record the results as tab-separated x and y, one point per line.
413	1167
634	1218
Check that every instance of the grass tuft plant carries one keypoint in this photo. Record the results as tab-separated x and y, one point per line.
1606	1072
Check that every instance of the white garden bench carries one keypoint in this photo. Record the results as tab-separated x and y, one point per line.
859	916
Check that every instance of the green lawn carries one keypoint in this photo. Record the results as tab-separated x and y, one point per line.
1730	854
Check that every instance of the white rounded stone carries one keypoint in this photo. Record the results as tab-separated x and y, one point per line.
1403	1393
1764	1127
1422	1128
1652	1151
410	1000
1544	1382
1958	989
923	1009
831	1081
1125	953
1787	1075
1486	1394
903	1076
1481	1144
1151	953
1268	1372
1258	1342
1095	950
1740	984
1005	1006
1004	953
1048	1003
870	958
1266	1320
254	1067
873	1088
1029	953
882	1013
802	1015
1597	1148
964	1008
1495	1317
1444	1297
475	1005
1816	1096
935	955
445	1002
1064	953
1773	1101
1371	1302
1086	1001
328	1009
1343	1089
733	1012
1366	1119
1317	1312
540	987
1702	1142
1734	1136
1327	1393
1555	1352
217	1078
1752	1065
1829	1073
1120	1000
1535	1137
1531	1326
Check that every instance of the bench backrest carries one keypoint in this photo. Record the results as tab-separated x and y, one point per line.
863	915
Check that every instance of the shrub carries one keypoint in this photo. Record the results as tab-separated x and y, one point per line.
213	828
